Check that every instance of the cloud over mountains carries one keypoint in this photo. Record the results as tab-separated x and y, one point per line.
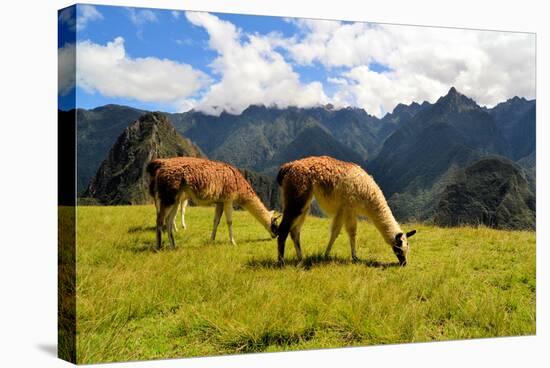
366	65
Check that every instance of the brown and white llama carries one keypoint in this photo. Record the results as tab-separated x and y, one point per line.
206	182
344	191
152	169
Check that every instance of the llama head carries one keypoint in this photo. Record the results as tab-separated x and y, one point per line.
274	227
401	246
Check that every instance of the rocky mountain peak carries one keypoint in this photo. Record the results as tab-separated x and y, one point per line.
121	178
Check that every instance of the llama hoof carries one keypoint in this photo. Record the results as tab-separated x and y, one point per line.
281	263
355	259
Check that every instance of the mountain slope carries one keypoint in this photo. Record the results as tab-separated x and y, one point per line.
454	130
262	132
446	135
97	131
523	135
121	178
492	192
400	115
516	119
313	141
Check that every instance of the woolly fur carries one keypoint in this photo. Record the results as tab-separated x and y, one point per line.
206	182
339	187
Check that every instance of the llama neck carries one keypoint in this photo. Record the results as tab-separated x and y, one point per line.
257	209
380	214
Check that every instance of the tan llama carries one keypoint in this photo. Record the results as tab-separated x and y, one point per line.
344	191
206	182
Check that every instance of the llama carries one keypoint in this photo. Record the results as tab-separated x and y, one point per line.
344	191
206	182
152	169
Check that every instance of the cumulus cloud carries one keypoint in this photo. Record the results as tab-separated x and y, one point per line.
251	71
86	14
107	69
423	62
66	58
418	64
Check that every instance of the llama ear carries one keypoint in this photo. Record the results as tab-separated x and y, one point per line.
411	233
398	239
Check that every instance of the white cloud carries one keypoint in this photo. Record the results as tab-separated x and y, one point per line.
86	14
421	63
424	62
336	44
66	58
141	16
107	69
250	70
175	14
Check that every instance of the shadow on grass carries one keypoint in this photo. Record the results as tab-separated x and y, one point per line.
255	240
141	229
152	246
318	260
255	344
144	247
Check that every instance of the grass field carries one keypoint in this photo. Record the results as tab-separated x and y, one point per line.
212	298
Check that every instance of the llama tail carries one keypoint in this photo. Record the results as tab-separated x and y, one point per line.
281	175
152	187
152	167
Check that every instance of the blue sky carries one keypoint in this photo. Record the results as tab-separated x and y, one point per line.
172	38
175	60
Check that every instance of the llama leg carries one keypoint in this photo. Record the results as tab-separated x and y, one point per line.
351	229
183	206
295	234
228	208
335	228
217	217
284	229
174	227
171	224
295	211
161	214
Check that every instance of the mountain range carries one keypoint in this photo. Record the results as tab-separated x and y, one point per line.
414	152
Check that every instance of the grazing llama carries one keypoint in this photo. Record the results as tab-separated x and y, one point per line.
206	182
152	169
344	191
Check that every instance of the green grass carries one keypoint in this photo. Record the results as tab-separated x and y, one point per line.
212	298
